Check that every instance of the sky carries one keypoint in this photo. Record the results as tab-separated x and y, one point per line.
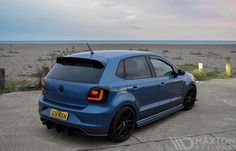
22	20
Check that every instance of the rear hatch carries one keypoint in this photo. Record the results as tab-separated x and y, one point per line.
70	80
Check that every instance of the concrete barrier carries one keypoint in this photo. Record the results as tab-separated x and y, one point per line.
2	78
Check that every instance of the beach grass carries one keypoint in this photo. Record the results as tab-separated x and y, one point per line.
11	86
188	67
219	75
207	75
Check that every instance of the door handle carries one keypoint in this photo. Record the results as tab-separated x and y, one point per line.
134	88
162	83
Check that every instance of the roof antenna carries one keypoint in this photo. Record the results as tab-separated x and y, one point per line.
90	48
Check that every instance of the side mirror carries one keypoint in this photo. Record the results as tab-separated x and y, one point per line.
181	72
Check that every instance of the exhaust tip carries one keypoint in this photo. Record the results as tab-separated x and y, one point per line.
71	132
59	128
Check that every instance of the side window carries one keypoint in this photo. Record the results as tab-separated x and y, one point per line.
136	68
161	68
120	70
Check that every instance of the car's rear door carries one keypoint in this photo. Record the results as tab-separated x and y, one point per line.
141	83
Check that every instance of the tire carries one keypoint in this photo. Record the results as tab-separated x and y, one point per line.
190	98
123	124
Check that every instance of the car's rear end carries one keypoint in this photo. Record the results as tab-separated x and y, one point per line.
73	98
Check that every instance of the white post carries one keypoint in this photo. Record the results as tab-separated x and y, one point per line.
200	66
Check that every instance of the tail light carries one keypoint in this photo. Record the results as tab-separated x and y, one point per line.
98	95
43	86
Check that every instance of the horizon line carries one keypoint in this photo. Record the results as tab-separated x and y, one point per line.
114	40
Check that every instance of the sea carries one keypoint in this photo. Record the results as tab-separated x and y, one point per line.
190	42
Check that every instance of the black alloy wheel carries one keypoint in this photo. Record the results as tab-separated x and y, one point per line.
123	124
190	98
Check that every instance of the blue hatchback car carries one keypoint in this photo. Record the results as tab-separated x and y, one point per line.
113	91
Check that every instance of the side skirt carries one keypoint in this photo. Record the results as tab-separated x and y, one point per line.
158	116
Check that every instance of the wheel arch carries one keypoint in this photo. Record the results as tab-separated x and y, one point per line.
126	104
192	83
188	84
123	99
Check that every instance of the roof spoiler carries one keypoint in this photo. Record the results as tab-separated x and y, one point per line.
74	61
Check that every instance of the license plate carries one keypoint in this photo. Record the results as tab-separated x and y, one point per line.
59	114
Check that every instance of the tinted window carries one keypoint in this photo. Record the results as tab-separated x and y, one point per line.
136	68
120	70
161	68
82	71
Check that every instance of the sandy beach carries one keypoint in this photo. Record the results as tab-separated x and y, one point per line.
22	61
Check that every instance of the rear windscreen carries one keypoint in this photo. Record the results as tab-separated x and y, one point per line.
78	70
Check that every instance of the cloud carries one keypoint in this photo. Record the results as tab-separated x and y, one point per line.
117	19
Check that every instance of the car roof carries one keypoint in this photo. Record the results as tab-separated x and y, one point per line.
105	55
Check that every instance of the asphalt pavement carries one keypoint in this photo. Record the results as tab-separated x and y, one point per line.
210	125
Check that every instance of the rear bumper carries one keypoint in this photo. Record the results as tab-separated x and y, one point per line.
94	120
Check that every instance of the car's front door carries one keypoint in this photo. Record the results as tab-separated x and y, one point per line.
171	85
